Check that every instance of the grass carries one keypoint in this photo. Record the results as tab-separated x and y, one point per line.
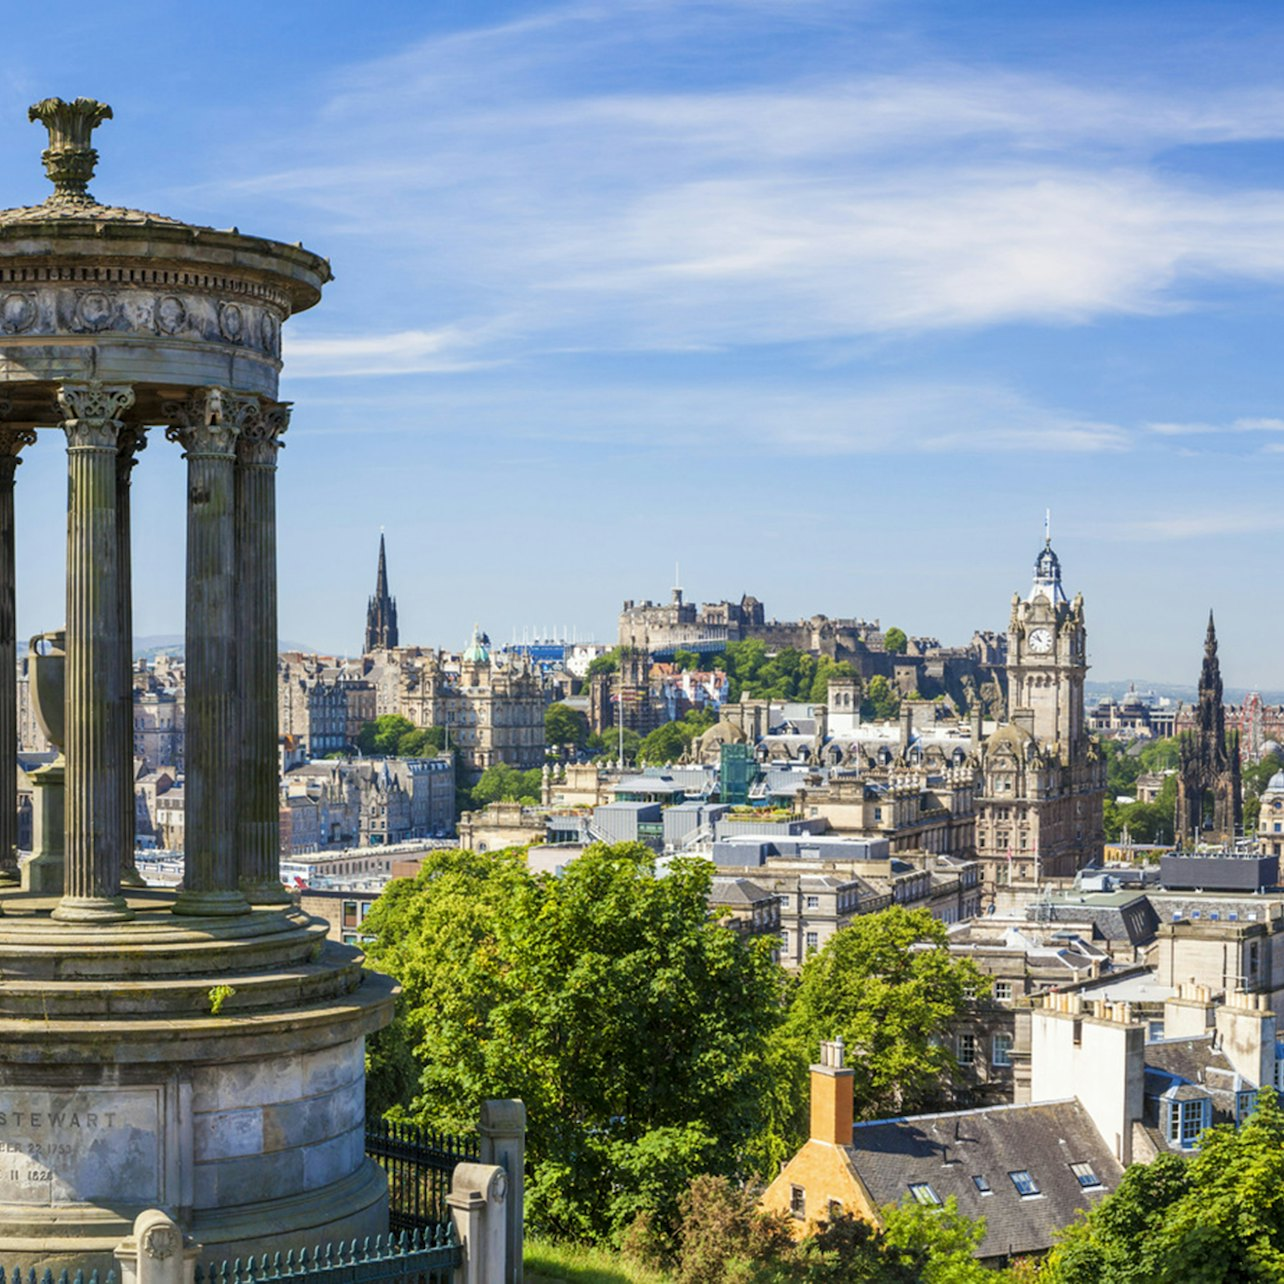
549	1263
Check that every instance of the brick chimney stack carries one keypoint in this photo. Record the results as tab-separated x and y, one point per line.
832	1096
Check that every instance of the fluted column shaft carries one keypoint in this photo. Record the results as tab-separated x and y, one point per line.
258	776
131	441
12	441
207	428
93	791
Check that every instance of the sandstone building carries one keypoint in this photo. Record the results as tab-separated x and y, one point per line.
1039	808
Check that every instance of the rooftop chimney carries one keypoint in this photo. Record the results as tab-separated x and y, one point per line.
832	1099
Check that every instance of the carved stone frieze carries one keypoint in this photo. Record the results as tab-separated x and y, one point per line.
91	412
78	309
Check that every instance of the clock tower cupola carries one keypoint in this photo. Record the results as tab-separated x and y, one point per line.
1047	659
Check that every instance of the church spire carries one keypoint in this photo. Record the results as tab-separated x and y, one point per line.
381	613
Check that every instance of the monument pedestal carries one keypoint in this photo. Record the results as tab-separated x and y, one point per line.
43	873
214	1069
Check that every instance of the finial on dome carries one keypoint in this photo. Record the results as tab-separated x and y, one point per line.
70	157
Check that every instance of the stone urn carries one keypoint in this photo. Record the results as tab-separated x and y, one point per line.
48	665
46	669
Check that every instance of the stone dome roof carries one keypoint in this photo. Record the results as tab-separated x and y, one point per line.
723	732
1010	735
477	652
1276	783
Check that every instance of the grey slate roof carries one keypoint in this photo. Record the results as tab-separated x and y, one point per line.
948	1150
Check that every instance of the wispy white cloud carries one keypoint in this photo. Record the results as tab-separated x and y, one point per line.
887	419
1200	525
441	351
1202	429
500	174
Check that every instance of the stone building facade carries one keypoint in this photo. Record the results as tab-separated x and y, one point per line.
1039	807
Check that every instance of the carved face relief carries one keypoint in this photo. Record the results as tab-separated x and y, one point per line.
171	315
230	321
17	312
93	309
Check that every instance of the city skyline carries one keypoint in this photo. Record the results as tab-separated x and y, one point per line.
828	301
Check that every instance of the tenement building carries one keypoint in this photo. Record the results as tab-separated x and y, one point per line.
1039	809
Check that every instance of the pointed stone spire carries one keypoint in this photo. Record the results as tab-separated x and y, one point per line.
381	613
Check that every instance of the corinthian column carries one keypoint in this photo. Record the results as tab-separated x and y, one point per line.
258	777
207	426
12	441
93	792
131	441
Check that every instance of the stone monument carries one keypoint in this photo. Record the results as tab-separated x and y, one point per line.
198	1052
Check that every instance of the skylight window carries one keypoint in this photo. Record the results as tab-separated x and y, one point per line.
1087	1178
981	1184
923	1192
1024	1183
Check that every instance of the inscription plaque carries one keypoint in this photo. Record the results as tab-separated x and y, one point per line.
80	1146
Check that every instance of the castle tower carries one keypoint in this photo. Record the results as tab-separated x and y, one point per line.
381	613
1209	803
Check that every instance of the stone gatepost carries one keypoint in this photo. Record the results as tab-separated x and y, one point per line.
157	1252
477	1207
503	1142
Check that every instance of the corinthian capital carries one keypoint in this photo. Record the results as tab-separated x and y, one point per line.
91	412
12	440
208	422
132	439
261	433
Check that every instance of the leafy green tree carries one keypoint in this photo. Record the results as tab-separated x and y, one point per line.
422	742
881	700
895	641
641	1035
889	985
1218	1216
667	743
687	661
504	783
380	738
608	662
565	726
605	745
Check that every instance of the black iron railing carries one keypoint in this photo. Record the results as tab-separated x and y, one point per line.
423	1256
419	1163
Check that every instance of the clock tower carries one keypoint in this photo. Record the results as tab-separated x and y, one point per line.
1042	777
1047	660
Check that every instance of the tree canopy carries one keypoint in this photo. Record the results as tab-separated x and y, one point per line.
755	674
640	1034
882	701
1218	1216
565	726
505	783
607	662
392	736
668	742
895	642
889	985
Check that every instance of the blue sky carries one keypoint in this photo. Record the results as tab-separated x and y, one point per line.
827	301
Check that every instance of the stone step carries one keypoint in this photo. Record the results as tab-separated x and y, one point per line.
158	945
337	973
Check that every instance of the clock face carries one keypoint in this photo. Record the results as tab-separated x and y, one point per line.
1040	641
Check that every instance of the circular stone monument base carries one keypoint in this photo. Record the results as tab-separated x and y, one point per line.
211	1067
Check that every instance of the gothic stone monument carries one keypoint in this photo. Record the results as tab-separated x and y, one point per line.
200	1052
